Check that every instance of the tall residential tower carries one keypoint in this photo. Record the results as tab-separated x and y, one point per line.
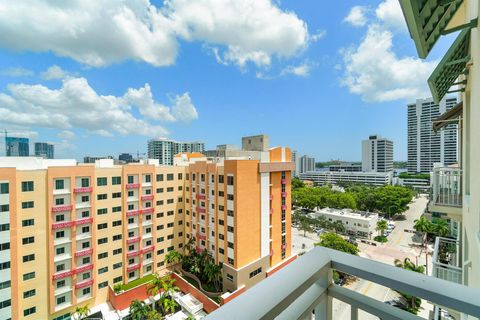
426	147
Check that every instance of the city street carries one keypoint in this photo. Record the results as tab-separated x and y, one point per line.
401	245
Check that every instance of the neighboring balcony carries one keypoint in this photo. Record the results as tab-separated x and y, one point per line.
305	286
447	192
446	260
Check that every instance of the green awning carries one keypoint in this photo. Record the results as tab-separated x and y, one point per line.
451	67
426	19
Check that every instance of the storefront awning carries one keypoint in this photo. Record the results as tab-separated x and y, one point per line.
451	67
426	19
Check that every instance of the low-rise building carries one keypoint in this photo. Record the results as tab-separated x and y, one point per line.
342	177
359	223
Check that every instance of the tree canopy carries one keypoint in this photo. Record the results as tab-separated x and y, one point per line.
385	200
336	242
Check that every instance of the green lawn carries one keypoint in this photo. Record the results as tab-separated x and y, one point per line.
137	282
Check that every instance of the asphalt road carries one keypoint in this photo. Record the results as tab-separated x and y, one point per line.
400	245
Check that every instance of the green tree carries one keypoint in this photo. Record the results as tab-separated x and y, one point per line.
172	258
154	315
338	227
336	242
423	225
168	288
381	226
169	305
297	184
82	312
413	302
155	286
305	227
213	273
138	310
441	228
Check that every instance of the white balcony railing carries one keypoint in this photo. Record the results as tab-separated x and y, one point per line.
446	186
446	260
306	286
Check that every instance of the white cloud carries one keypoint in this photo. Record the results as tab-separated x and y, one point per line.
356	16
53	73
302	70
99	33
77	105
66	135
16	72
390	13
375	72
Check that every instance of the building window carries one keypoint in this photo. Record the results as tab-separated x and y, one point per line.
102	255
4	227
230	180
29	257
117	265
229	196
28	222
27	205
180	176
101	226
4	208
117	237
5	246
116	180
59	201
102	196
28	240
105	269
59	184
103	285
102	211
130	179
220	250
5	284
159	177
102	240
29	311
148	178
116	195
29	293
60	250
102	181
117	279
4	188
28	276
117	251
27	186
230	244
85	182
5	265
170	177
255	272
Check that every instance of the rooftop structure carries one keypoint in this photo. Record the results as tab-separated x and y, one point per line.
357	223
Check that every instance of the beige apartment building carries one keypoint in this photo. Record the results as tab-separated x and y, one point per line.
69	232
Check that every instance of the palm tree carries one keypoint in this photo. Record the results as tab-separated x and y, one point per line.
169	305
424	226
173	258
153	315
155	286
138	310
441	227
407	264
82	312
189	247
382	226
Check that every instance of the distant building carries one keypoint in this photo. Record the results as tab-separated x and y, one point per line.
296	160
346	166
377	154
426	147
362	224
17	147
341	177
127	157
253	147
256	143
44	150
306	164
165	149
90	159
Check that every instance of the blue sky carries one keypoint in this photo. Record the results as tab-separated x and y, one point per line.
316	76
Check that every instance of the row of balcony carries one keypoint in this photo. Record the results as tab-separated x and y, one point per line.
69	224
135	253
69	273
139	211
